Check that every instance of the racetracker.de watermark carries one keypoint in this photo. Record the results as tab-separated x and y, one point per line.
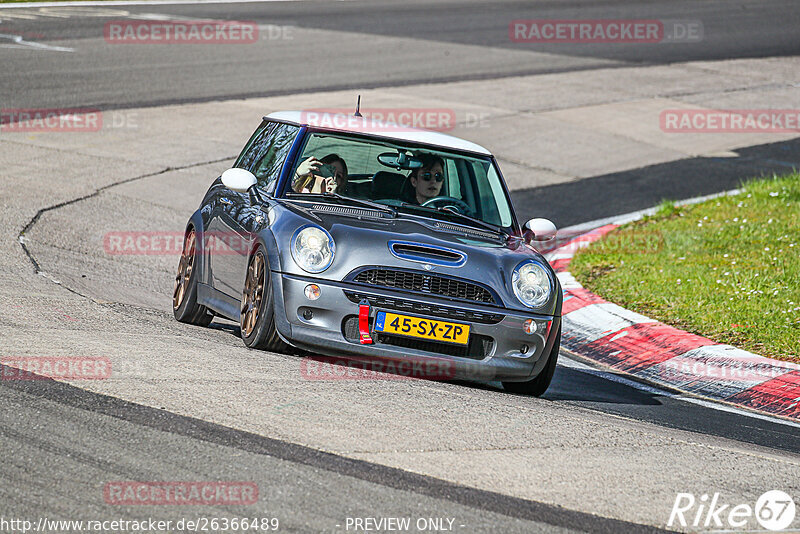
171	243
588	31
180	493
180	32
645	241
391	119
51	120
55	367
64	120
730	120
322	368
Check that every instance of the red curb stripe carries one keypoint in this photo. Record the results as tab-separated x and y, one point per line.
643	345
560	265
597	233
575	299
573	245
779	396
589	237
669	356
716	371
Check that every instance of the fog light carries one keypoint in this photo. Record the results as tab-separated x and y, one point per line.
313	292
529	326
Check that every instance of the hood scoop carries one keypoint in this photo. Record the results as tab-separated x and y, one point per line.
424	253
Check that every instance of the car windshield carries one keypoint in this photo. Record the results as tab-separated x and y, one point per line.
446	185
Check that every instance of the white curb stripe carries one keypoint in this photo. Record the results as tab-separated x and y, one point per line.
719	369
715	371
568	281
558	256
595	321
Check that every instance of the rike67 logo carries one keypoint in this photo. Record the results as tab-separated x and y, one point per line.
774	510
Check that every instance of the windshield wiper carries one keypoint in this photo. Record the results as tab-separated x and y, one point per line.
482	224
359	201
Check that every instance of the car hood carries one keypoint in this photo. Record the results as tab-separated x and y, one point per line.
365	241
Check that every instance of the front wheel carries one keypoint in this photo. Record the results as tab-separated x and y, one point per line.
538	385
257	317
184	292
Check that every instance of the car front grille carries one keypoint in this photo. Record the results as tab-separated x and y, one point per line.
478	348
443	312
430	284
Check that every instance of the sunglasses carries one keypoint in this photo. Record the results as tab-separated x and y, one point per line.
439	177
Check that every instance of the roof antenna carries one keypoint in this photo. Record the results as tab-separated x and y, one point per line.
358	107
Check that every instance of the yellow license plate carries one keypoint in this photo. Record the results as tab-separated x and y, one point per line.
432	329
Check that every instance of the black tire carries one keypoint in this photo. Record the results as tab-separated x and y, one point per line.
538	385
184	292
257	318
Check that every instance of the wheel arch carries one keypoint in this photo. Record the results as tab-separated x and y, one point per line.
196	221
267	240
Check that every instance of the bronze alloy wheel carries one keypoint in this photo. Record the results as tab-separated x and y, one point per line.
184	271
252	296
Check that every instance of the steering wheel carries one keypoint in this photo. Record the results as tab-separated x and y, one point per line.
449	203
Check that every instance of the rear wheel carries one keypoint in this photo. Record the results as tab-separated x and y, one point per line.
257	318
184	292
538	385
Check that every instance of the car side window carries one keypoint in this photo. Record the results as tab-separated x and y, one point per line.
267	153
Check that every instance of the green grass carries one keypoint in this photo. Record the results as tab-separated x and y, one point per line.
727	269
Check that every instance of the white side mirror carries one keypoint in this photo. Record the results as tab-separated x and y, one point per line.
239	180
541	229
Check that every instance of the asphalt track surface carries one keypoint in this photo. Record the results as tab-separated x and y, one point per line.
124	76
42	434
326	46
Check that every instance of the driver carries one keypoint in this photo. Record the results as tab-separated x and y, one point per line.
427	180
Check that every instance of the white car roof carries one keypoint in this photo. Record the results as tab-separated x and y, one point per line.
383	129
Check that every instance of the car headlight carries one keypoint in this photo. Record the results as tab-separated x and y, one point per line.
531	284
312	249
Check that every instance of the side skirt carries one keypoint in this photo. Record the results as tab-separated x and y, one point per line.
218	301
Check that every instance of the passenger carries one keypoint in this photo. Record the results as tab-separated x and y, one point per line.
305	181
426	181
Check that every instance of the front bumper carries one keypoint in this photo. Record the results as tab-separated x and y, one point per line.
326	326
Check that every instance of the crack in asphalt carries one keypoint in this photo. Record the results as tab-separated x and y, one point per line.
37	269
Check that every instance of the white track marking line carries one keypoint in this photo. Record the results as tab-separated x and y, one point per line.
140	3
22	43
567	361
